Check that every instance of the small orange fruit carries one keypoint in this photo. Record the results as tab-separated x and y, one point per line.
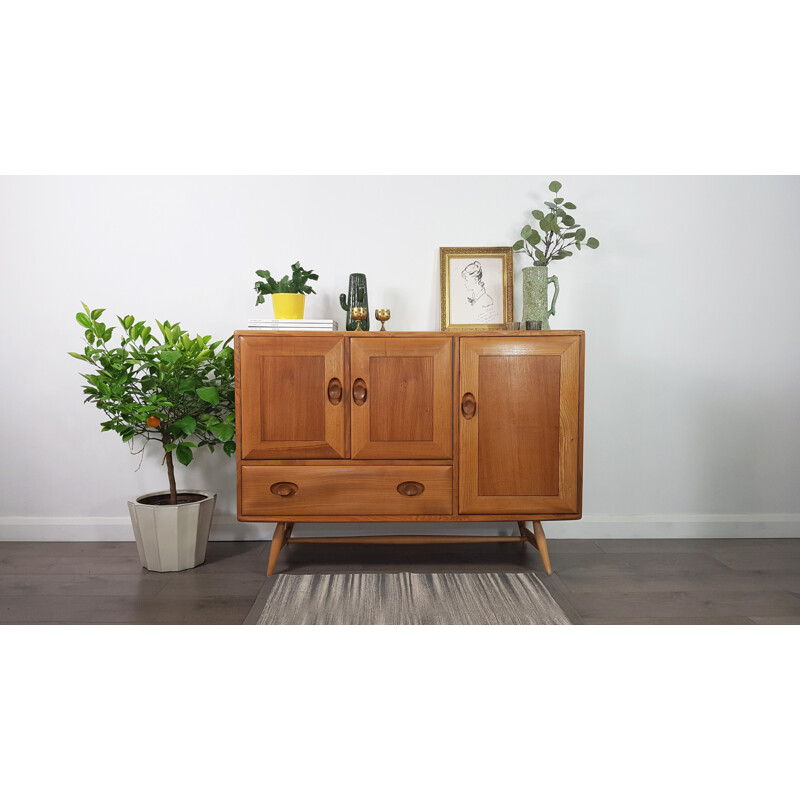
153	422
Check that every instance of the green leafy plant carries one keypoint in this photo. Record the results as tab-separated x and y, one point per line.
559	233
288	284
178	390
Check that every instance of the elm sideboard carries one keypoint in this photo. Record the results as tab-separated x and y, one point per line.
411	427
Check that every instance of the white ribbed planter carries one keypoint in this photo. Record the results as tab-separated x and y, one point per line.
172	538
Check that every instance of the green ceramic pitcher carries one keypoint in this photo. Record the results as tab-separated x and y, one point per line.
534	295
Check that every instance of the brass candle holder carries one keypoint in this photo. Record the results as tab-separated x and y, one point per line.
358	313
383	315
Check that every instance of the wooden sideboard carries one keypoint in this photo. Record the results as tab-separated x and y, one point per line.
409	427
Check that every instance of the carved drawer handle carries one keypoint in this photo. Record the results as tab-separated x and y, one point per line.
410	488
468	405
335	391
284	489
359	392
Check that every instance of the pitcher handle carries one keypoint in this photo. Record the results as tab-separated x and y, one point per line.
552	311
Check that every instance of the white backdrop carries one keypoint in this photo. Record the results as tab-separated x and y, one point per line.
689	307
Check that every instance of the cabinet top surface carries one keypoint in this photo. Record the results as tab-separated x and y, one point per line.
390	334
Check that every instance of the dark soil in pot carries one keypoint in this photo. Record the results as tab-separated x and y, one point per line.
163	499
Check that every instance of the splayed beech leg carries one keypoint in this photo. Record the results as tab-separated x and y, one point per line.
289	529
541	544
538	540
275	547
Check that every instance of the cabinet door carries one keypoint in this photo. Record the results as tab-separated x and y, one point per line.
401	397
520	425
292	400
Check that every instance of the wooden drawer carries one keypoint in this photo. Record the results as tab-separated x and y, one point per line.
328	491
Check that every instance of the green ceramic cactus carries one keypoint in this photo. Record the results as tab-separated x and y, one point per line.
356	296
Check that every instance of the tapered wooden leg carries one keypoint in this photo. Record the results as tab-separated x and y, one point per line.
538	540
289	529
527	536
275	547
541	544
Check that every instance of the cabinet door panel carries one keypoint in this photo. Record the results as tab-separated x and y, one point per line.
406	408
292	402
520	450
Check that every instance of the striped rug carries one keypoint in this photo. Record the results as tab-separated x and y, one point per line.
407	598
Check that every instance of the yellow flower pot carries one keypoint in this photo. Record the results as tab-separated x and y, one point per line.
288	306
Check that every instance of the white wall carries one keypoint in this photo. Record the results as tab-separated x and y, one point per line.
689	308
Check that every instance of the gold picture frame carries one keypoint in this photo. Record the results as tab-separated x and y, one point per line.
471	302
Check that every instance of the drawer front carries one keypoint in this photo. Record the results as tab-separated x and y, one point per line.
328	491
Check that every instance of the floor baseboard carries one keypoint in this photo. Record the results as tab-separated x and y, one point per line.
598	526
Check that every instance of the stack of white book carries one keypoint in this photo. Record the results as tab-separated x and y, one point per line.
293	324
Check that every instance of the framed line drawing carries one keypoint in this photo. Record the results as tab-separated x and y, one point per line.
477	287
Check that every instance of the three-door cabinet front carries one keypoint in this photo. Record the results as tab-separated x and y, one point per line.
409	426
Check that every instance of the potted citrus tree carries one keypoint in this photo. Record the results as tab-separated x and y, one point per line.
289	293
178	391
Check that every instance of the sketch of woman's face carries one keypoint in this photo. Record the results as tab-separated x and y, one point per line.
472	275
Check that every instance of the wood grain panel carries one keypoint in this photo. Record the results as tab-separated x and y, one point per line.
519	453
284	408
518	425
331	491
282	383
401	406
407	411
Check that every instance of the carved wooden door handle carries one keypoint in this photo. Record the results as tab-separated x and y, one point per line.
359	392
334	391
410	488
284	489
468	405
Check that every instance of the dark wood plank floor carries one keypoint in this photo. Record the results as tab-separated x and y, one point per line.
633	581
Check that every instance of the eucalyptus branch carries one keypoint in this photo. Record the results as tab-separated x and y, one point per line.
553	243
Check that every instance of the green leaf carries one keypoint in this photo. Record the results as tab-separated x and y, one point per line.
229	448
555	186
83	320
97	312
170	356
534	237
78	356
170	447
209	394
558	200
550	205
518	245
570	206
539	254
568	220
537	214
525	232
184	453
592	242
580	234
223	431
188	424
